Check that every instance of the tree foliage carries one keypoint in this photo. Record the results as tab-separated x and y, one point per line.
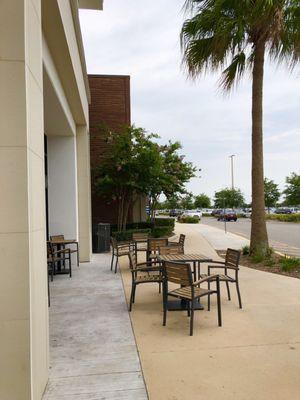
233	36
232	198
272	193
292	191
137	165
202	201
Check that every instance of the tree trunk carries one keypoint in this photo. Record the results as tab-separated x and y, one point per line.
259	236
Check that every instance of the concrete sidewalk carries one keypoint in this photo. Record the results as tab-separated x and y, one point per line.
216	237
93	352
255	355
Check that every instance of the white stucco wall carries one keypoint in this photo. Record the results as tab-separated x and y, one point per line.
62	186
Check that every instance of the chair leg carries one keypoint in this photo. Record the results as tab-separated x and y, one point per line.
228	290
188	308
208	298
70	266
192	318
112	261
134	289
239	294
165	305
116	264
219	303
77	256
131	296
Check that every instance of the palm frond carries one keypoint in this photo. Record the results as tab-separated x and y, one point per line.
234	72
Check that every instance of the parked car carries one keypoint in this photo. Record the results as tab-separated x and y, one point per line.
283	211
175	213
228	215
216	213
192	213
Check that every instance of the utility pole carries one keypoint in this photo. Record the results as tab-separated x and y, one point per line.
232	177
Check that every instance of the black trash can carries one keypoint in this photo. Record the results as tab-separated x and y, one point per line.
101	238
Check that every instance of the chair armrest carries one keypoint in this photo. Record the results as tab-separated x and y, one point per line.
222	266
146	269
148	263
67	250
206	279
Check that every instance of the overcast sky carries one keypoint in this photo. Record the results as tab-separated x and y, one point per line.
140	38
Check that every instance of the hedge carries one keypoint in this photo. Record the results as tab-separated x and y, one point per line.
162	231
284	217
121	236
189	220
164	222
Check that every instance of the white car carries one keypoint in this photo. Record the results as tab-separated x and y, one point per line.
192	213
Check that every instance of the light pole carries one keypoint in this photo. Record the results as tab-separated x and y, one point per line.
232	177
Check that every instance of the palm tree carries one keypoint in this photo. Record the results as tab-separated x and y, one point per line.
235	36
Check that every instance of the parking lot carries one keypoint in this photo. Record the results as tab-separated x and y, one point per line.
282	235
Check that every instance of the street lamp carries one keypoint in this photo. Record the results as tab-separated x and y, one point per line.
232	177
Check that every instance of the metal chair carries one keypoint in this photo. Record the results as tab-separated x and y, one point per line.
61	238
231	263
153	247
189	291
180	243
119	249
142	273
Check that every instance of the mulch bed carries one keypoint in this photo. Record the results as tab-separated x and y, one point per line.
274	269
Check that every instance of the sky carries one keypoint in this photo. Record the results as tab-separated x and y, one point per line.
140	38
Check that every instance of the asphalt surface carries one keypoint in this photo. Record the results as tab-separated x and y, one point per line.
282	235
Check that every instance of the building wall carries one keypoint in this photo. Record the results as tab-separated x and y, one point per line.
110	105
24	344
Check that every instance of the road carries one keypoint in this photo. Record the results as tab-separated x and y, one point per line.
283	236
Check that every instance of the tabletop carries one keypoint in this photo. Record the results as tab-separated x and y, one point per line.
64	241
192	257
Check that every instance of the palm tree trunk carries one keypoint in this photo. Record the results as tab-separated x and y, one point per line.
259	236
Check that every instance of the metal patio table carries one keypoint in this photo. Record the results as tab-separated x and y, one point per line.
196	259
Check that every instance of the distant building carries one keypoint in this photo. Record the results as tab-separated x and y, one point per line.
110	105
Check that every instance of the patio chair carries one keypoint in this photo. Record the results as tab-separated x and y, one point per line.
189	291
119	249
142	273
166	250
55	257
153	248
58	238
180	242
231	263
143	247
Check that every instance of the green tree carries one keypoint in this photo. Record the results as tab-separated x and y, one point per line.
235	35
232	198
292	191
187	202
202	201
129	169
171	176
173	202
272	193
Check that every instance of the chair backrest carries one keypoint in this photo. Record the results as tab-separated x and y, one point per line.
132	260
155	244
179	273
49	250
140	236
165	250
57	237
232	258
181	239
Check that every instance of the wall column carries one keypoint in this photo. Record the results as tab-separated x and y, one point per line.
84	192
62	186
23	284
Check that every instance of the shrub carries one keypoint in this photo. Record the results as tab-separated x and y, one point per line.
127	235
189	220
162	231
284	217
289	263
164	222
257	258
246	250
